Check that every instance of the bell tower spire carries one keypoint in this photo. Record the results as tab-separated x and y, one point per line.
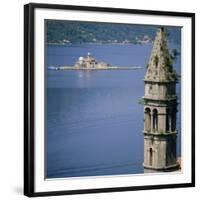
160	67
160	107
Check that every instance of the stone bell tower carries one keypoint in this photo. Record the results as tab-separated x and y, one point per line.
160	107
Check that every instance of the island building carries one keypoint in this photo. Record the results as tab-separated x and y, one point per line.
89	62
160	108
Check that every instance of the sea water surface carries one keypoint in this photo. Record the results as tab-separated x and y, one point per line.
94	121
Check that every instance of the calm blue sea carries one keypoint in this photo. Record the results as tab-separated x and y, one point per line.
94	122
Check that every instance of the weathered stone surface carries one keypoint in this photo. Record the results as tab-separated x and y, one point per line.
159	68
160	107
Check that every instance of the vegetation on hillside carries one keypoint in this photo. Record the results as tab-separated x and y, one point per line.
64	32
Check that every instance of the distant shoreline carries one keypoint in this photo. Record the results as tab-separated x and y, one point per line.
98	68
90	43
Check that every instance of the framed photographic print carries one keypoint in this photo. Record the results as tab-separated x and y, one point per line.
108	99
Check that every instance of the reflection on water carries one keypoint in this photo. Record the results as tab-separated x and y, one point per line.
94	120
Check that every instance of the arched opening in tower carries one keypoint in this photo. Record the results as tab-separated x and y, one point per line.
173	118
155	120
150	156
147	120
167	120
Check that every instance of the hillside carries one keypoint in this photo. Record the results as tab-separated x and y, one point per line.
86	32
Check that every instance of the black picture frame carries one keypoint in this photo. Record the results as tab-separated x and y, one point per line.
29	96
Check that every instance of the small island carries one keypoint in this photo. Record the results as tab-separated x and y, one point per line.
90	63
